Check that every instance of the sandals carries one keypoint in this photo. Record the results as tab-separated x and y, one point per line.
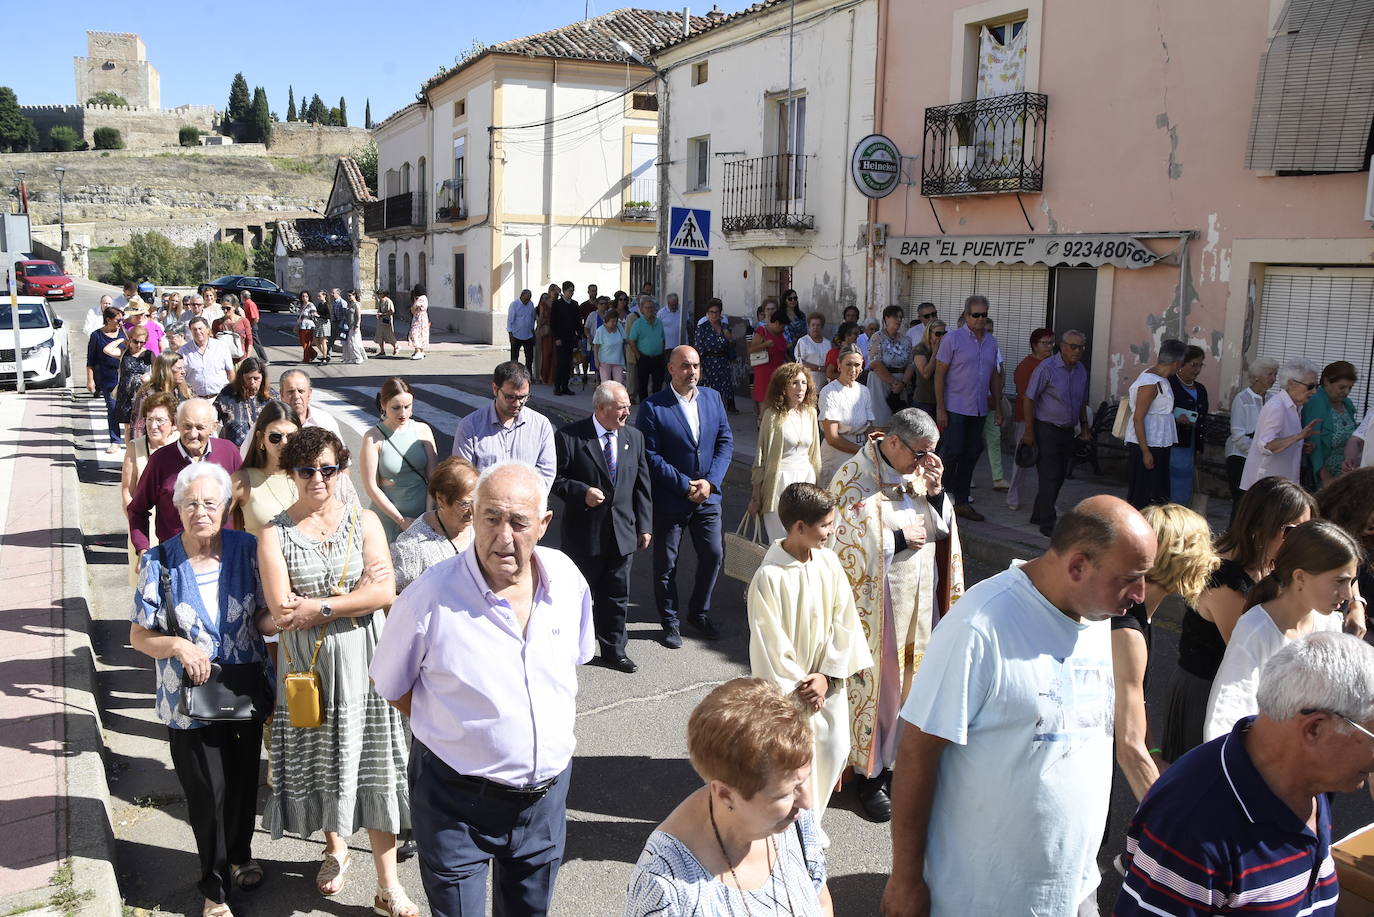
332	872
213	909
248	876
394	902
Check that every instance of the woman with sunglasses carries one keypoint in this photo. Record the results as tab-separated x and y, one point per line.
263	488
102	370
1247	550
1280	439
326	574
923	359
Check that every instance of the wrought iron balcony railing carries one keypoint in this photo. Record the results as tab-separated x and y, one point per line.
451	204
766	192
987	146
399	211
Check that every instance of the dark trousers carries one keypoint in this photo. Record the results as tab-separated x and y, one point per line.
1146	486
113	425
562	370
651	374
703	524
960	446
459	830
608	575
1056	449
527	345
258	350
1235	467
217	766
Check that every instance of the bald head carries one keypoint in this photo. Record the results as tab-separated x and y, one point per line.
684	368
196	422
1097	561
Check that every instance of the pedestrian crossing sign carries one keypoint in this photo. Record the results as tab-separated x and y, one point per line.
689	232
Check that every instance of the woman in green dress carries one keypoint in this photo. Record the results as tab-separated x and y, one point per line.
398	457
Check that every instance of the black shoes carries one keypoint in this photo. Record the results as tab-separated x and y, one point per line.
874	798
620	664
704	627
672	636
966	511
406	849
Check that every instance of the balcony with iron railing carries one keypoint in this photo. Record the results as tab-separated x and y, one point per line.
766	193
451	203
641	201
986	146
399	211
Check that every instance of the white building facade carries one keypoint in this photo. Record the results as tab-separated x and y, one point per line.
532	163
760	113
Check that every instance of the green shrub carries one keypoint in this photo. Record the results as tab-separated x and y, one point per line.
62	139
264	260
152	255
189	135
108	138
108	97
224	258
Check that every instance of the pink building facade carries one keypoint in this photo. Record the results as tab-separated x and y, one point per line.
1122	169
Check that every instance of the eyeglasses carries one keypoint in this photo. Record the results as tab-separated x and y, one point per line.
1310	386
1075	346
791	299
307	472
514	399
926	315
977	315
918	456
276	438
157	422
210	506
1311	710
143	340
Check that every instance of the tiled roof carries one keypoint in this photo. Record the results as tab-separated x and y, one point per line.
715	19
396	114
350	169
328	234
595	39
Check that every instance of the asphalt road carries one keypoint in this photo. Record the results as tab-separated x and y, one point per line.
630	769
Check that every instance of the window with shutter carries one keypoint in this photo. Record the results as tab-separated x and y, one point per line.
1321	314
1314	101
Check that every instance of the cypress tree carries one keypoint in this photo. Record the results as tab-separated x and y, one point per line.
343	112
240	103
261	117
367	115
291	103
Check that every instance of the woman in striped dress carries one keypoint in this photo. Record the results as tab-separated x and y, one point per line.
326	573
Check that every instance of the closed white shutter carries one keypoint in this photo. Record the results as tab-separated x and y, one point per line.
1018	298
1321	314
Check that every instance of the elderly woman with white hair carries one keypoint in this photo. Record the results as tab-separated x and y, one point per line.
1280	437
1245	409
209	576
1151	431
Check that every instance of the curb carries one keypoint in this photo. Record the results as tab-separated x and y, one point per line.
90	835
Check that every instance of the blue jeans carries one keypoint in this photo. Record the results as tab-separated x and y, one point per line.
1181	474
460	830
960	446
109	395
703	524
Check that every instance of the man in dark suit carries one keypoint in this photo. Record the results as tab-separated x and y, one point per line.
603	481
689	443
567	329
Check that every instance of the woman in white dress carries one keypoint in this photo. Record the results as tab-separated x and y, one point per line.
354	351
789	443
846	414
1312	581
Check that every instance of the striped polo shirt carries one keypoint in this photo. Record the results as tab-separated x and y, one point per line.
1212	838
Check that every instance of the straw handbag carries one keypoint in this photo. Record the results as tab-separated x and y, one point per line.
304	699
744	549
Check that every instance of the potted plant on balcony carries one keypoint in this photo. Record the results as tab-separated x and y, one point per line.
637	210
959	153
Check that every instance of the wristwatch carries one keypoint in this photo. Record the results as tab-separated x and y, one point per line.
325	610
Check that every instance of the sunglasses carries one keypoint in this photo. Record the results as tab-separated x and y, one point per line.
277	438
926	315
977	315
940	334
308	472
1310	386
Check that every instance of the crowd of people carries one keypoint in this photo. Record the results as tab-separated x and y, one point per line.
407	650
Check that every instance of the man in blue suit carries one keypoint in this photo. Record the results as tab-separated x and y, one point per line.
689	445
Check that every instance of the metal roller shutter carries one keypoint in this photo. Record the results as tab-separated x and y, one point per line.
1321	314
1018	298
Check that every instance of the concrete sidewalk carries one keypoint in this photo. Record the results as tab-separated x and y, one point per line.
53	794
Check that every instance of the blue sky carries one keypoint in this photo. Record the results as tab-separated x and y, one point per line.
358	50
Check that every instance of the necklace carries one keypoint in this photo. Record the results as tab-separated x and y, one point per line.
443	528
771	851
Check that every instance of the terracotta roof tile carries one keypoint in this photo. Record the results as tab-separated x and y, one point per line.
715	19
328	234
356	180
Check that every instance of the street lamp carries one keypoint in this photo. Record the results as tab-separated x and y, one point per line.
61	212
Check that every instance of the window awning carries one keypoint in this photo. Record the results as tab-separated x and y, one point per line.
1314	101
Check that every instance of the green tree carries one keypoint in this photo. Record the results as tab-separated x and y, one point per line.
62	139
189	135
215	259
319	113
262	116
367	115
291	103
108	97
240	103
152	255
17	133
343	112
334	117
108	138
366	158
263	261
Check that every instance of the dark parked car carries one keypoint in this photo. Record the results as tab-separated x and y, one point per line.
268	296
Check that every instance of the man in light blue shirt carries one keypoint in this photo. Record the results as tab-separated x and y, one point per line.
520	320
507	429
671	317
1009	730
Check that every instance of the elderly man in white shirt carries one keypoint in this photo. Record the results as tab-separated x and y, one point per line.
1279	441
1245	408
209	364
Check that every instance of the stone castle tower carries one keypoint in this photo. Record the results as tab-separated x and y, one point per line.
118	62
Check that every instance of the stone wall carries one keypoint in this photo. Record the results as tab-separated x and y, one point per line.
300	138
118	62
142	128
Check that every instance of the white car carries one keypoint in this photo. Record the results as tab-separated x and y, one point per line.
42	342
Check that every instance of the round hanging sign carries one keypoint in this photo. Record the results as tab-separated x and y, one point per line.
876	165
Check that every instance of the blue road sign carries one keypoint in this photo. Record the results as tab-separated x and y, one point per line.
689	232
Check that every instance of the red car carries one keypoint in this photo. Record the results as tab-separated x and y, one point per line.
43	278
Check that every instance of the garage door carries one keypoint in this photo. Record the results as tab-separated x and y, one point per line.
1018	297
1322	314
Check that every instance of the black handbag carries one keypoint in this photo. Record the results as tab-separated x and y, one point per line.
235	692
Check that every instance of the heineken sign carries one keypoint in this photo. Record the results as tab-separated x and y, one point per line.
876	165
1097	250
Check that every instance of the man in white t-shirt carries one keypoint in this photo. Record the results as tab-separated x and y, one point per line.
1004	772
